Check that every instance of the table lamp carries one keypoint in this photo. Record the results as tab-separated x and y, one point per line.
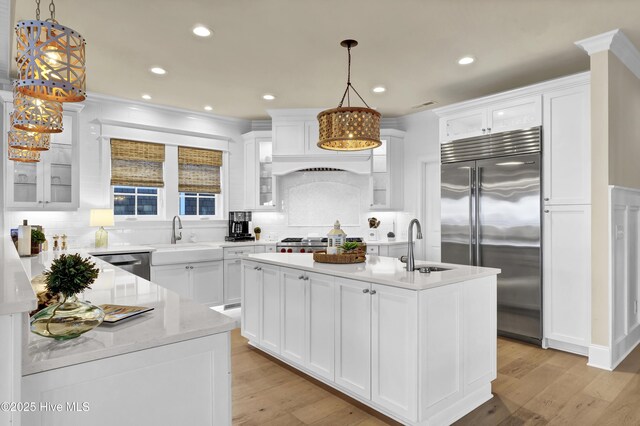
101	218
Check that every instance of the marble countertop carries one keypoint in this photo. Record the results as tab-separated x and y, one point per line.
119	249
378	269
16	294
173	319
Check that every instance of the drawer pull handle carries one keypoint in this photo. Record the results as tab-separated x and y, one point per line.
259	268
373	292
301	277
306	278
256	268
366	290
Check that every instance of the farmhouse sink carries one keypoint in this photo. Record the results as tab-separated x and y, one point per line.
171	254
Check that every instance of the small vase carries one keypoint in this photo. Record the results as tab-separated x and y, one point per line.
35	249
67	319
257	236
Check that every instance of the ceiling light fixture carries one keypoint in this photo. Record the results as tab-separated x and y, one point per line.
36	115
208	108
466	60
158	70
50	59
268	97
32	141
201	31
349	128
379	89
146	97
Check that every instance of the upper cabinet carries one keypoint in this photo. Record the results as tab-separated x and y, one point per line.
387	173
496	117
52	183
260	184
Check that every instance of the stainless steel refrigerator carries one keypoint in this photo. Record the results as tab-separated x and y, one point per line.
491	216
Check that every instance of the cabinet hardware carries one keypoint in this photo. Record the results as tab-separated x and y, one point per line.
546	211
259	268
366	290
306	278
301	277
39	202
373	292
488	129
484	130
546	199
47	202
255	268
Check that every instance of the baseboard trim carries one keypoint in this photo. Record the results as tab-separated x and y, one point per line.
567	347
600	357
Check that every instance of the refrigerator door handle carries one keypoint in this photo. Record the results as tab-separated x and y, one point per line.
478	184
471	218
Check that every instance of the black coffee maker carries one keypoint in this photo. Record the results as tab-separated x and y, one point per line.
239	227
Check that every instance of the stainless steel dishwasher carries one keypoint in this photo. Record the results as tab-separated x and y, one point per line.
136	263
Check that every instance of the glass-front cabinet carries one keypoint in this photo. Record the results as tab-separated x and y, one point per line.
387	172
260	184
52	183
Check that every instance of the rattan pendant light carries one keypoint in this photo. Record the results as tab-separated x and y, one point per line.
24	155
32	141
349	128
50	59
36	115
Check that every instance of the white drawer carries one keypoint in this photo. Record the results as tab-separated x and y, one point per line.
270	248
372	250
236	252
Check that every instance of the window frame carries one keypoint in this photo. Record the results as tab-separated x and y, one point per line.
160	207
217	206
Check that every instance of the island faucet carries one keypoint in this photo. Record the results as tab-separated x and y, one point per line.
408	259
173	230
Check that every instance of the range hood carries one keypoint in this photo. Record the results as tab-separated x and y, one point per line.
359	163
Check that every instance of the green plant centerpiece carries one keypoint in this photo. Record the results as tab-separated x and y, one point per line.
69	275
350	247
37	238
257	231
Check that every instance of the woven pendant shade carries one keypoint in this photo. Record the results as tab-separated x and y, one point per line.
32	141
24	155
349	129
36	115
51	61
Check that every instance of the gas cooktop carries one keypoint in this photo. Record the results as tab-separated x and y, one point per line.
306	245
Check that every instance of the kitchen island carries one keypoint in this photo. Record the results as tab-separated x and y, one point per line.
167	366
418	347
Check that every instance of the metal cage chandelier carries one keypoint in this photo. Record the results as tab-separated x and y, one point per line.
36	115
50	59
32	141
24	155
349	128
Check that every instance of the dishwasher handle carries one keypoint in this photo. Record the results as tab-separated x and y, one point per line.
129	262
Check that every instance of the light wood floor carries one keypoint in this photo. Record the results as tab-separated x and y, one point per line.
534	387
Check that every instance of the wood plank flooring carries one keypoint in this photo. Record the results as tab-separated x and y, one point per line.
533	387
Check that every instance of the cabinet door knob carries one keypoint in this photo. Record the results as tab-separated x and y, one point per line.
259	268
366	290
39	202
546	199
301	277
484	130
255	268
488	129
306	278
373	292
546	211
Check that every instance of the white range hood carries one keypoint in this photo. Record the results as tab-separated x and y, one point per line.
359	164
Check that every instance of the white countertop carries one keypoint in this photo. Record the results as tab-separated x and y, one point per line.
119	249
378	269
386	243
173	320
16	294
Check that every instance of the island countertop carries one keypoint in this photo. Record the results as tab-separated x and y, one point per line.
173	320
378	269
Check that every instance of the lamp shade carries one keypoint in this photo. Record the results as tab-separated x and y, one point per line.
101	217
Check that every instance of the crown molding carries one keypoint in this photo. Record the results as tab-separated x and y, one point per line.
618	43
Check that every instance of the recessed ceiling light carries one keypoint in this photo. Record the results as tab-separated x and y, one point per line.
146	97
158	70
379	89
268	97
466	60
201	31
208	108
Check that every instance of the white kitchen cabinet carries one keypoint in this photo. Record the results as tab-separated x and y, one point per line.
201	282
353	336
289	137
482	119
260	184
251	285
270	307
567	277
387	172
320	319
294	306
394	349
567	146
232	281
52	183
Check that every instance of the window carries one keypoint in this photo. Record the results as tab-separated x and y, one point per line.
137	176
197	204
135	201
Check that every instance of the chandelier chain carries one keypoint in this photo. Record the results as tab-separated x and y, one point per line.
350	86
37	10
52	10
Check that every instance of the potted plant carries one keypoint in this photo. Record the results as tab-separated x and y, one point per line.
68	276
257	231
351	247
391	236
37	238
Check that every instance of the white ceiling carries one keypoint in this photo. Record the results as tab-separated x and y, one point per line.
291	48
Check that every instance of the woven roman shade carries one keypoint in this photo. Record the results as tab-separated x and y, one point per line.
199	170
137	163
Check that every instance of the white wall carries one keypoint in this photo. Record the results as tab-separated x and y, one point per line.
103	116
422	178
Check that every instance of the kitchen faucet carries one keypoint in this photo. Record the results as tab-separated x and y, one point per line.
173	230
408	259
